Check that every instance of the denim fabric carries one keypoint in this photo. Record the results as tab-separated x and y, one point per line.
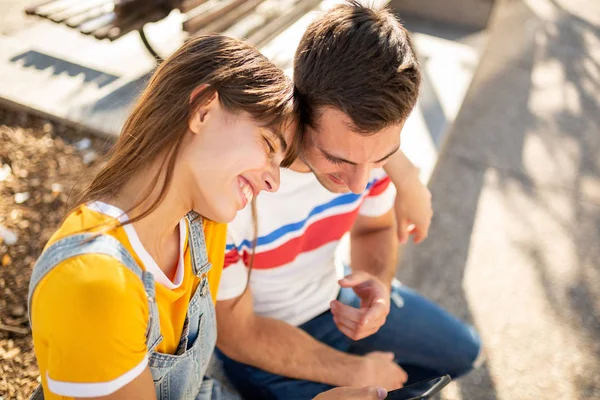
427	341
178	376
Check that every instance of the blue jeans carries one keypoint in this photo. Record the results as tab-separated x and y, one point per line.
427	341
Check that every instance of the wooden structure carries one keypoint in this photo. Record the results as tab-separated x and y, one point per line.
111	19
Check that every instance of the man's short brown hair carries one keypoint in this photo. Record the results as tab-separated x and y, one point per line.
361	61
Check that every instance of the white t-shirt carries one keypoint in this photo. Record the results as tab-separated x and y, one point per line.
294	276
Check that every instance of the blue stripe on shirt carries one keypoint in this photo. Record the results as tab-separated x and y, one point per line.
296	226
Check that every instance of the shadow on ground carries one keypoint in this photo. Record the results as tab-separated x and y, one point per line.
41	61
499	121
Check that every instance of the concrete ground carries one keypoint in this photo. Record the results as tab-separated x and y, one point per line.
514	247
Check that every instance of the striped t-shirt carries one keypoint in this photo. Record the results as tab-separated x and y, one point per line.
294	275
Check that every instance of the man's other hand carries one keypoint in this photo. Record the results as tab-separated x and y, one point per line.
413	210
358	323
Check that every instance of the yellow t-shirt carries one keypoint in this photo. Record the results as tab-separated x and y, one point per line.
90	313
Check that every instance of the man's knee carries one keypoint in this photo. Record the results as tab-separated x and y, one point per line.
472	355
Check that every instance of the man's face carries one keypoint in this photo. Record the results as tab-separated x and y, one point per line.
342	159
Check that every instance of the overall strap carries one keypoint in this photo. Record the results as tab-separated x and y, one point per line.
197	242
88	243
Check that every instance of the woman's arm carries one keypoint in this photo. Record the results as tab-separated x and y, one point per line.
141	388
348	393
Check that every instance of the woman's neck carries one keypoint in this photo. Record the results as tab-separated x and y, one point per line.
159	230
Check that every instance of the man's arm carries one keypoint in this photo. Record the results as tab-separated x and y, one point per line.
350	393
373	249
286	350
413	201
279	347
374	246
399	168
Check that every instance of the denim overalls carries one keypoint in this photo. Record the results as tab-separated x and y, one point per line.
178	376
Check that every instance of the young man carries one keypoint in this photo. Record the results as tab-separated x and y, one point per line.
286	328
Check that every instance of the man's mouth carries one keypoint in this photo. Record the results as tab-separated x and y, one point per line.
336	180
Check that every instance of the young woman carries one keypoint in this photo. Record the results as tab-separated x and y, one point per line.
121	300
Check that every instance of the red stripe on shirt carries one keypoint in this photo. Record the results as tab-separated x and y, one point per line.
319	233
379	187
231	257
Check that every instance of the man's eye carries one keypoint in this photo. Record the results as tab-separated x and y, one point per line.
333	160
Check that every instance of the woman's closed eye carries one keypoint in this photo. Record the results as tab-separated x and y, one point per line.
270	146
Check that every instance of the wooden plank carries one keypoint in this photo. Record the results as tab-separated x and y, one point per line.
118	29
54	7
206	7
188	5
231	18
147	12
281	22
104	32
77	20
90	26
102	25
81	8
255	22
194	24
246	26
30	10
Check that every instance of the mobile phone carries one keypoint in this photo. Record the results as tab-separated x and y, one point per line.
421	390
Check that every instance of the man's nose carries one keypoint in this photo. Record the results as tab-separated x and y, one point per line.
358	179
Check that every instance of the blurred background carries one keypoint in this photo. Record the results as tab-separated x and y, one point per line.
506	134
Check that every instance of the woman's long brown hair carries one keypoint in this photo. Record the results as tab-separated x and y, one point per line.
245	80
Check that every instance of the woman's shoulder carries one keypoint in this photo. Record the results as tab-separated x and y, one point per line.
89	278
81	219
92	271
90	287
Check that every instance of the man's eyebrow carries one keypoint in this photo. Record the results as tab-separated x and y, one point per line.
338	159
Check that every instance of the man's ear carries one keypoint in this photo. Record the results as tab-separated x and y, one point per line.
199	115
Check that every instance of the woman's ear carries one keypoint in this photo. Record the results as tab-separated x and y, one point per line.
200	114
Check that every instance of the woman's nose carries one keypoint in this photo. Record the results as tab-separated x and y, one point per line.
270	179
